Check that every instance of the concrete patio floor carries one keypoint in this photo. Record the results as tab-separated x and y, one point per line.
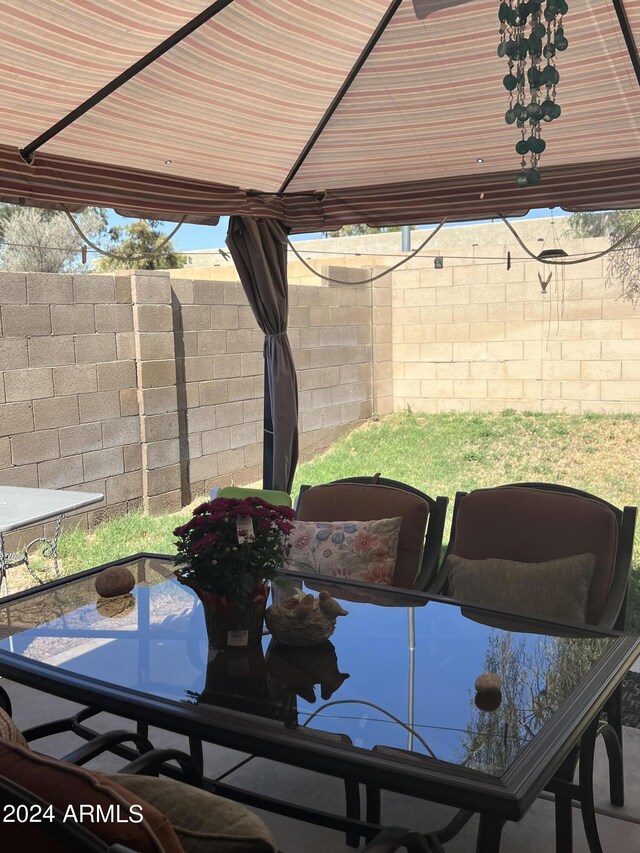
619	828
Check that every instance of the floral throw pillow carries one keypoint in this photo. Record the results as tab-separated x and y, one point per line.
356	550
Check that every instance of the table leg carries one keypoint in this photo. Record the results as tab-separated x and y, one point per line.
489	833
611	732
4	587
585	773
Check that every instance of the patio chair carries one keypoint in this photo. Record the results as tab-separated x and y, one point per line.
274	496
372	498
176	817
541	522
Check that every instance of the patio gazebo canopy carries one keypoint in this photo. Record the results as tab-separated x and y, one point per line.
303	115
314	113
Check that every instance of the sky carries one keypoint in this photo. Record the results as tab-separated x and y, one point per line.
191	237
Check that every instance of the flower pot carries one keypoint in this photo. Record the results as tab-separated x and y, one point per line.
230	626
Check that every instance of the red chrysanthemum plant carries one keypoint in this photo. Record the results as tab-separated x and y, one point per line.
231	547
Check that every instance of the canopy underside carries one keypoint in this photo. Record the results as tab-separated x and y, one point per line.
316	113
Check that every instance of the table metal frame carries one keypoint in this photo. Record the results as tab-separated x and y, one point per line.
547	762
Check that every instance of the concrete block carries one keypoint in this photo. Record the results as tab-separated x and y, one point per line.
118	431
630	370
524	370
56	412
613	350
227	366
208	292
122	285
96	289
231	461
581	390
623	390
153	318
228	414
213	391
162	453
123	487
475	312
99	406
60	473
114	318
601	370
538	390
156	374
201	419
16	418
13	288
252	364
188	341
199	368
132	457
116	375
35	446
47	289
505	312
20	475
129	404
631	329
240	389
125	346
581	350
93	348
5	452
488	369
47	351
163	504
80	439
204	468
436	352
614	309
504	350
22	321
198	317
155	289
72	320
253	410
451	370
243	434
161	427
155	345
452	332
216	440
30	384
505	388
561	370
214	342
13	353
103	463
183	291
161	480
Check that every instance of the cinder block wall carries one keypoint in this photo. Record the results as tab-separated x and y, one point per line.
151	390
479	336
69	413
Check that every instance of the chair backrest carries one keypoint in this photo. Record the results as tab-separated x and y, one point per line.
537	522
372	498
272	495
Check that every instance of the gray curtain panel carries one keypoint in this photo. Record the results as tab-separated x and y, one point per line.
259	250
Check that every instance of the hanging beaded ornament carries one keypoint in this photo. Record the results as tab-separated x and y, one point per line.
533	33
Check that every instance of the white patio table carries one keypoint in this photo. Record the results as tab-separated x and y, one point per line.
21	507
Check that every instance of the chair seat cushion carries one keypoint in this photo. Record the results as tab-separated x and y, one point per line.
359	550
556	590
9	732
203	822
65	785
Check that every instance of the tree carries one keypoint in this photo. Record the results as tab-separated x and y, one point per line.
140	239
624	262
356	230
37	240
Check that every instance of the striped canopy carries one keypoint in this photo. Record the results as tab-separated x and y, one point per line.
315	112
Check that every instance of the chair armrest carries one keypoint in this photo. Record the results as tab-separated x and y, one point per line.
104	743
151	763
393	838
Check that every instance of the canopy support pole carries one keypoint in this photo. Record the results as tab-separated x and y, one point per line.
629	40
211	11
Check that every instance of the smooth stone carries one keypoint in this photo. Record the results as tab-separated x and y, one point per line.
488	701
487	682
116	607
116	580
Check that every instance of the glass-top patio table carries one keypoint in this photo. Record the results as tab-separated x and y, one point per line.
389	701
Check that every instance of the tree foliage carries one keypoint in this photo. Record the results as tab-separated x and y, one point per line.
357	230
623	262
138	239
36	240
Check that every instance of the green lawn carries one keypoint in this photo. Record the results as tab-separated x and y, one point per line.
439	454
